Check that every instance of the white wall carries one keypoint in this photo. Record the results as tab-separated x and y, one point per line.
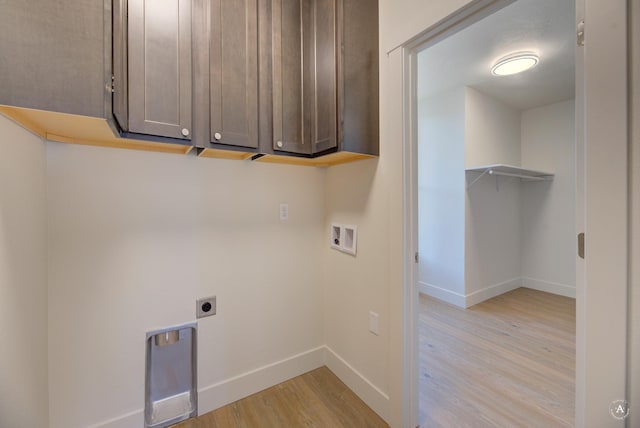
404	19
441	189
399	21
492	130
548	208
23	279
517	234
135	238
352	289
493	255
470	239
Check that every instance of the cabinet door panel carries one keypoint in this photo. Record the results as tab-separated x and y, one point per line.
323	75
304	74
234	72
289	124
160	67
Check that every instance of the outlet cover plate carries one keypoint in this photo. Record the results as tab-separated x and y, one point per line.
284	211
205	307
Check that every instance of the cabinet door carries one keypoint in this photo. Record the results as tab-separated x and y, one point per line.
322	74
234	72
304	75
160	67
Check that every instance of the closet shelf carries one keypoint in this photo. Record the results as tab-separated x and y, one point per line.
509	171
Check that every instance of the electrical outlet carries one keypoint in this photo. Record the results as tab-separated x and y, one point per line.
374	324
206	307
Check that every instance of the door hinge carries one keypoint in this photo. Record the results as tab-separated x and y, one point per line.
581	245
416	257
580	31
111	86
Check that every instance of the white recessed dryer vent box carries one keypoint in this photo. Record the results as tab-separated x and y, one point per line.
344	238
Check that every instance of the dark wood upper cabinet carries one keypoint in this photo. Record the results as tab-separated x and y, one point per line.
159	68
304	76
234	72
56	55
237	78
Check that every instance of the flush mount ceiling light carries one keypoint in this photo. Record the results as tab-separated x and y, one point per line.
515	63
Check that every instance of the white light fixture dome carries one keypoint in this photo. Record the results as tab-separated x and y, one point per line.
514	63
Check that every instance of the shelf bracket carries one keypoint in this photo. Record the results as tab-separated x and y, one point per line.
477	178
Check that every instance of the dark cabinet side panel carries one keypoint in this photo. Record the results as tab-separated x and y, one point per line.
52	55
160	67
359	81
234	72
120	64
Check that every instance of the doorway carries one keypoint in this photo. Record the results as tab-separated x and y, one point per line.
496	192
595	388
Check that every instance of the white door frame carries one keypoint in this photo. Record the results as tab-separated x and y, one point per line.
601	306
633	383
600	375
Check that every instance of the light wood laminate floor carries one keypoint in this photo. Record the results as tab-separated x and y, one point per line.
315	399
506	362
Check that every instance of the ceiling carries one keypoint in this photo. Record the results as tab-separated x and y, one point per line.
545	27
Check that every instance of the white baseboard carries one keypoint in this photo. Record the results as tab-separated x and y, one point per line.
439	293
549	287
467	300
129	420
492	291
229	390
373	396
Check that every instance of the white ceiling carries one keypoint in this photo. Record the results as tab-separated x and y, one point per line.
545	27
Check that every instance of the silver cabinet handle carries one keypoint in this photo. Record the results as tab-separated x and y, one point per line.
279	144
185	132
217	136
